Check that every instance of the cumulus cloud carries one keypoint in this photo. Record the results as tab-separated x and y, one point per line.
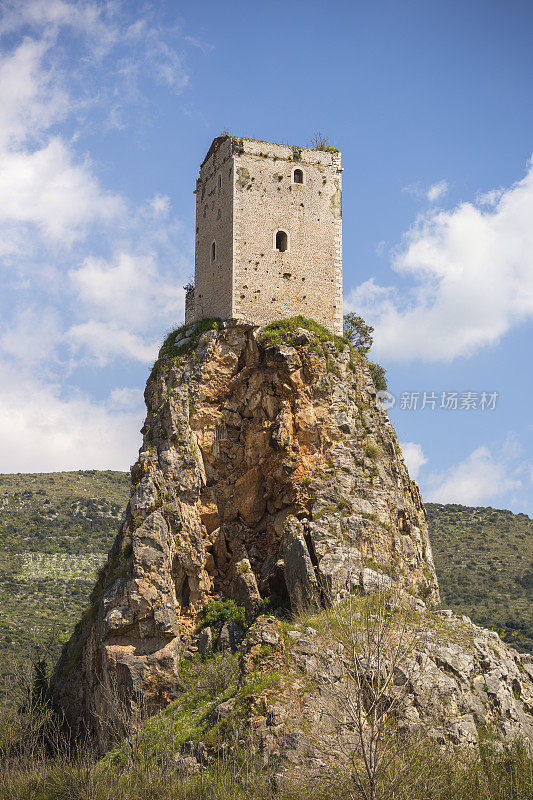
414	458
69	70
30	100
48	76
42	430
477	480
44	185
472	273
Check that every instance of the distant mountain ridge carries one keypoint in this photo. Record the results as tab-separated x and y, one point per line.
484	562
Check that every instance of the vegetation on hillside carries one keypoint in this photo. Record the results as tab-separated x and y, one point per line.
55	531
484	563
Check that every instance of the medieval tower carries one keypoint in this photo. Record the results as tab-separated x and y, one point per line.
268	234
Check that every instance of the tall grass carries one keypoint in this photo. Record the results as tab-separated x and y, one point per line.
428	774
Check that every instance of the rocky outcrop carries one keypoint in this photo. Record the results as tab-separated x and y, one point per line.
267	470
457	685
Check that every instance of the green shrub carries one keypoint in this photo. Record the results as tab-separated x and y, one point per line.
326	148
282	331
204	678
373	451
170	352
216	612
378	376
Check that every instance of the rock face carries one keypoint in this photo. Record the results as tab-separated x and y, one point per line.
267	470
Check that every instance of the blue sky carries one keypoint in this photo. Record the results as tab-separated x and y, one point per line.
107	109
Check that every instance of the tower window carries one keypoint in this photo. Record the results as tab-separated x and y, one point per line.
220	181
213	251
298	176
281	241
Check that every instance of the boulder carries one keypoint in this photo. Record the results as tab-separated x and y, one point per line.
244	589
300	577
230	636
205	640
249	496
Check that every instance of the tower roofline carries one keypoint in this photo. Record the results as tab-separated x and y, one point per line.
246	144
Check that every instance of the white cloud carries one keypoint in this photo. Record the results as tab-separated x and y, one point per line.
30	100
46	77
126	399
105	341
31	335
129	289
472	268
432	193
477	480
42	185
436	191
84	16
42	431
160	205
48	189
413	457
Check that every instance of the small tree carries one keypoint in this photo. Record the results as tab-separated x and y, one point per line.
318	141
378	376
358	332
363	700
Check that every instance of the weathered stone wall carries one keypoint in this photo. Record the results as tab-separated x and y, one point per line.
190	314
214	223
266	284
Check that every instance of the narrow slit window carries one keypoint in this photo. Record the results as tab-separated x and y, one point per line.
213	251
281	241
298	176
220	181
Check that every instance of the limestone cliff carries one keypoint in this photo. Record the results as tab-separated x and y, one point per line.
267	470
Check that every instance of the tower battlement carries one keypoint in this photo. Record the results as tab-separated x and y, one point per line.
268	233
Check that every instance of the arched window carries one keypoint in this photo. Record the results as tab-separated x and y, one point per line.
213	251
298	176
281	241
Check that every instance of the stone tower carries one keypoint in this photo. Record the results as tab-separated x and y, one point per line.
268	234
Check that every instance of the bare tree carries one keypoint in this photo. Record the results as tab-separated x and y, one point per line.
365	689
318	140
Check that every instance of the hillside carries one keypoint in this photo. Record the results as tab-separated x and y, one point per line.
484	562
55	531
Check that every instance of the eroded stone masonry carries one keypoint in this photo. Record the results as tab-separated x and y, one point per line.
268	234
